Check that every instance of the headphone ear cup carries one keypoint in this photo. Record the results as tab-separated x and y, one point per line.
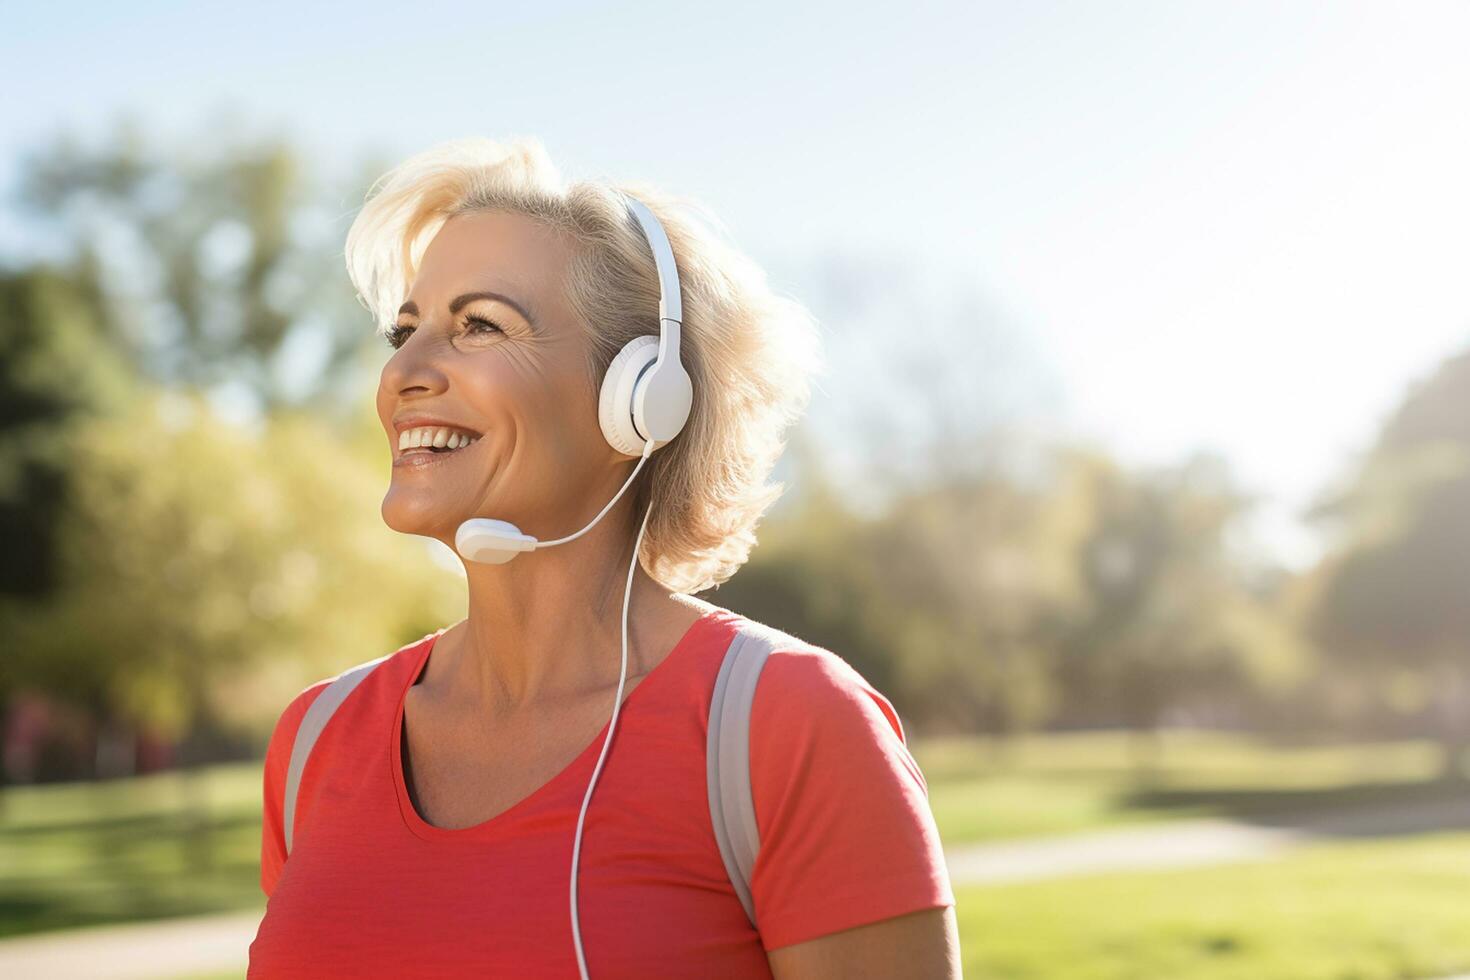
615	400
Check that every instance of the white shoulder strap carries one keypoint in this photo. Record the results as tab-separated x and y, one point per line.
312	723
727	755
727	749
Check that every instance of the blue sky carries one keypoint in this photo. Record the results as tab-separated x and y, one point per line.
1234	226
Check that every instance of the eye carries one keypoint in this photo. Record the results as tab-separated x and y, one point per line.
481	325
397	336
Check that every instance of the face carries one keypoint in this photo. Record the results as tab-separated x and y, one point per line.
508	372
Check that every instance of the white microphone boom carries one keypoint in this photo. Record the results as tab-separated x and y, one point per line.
493	542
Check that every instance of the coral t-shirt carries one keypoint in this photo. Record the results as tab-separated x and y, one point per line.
372	890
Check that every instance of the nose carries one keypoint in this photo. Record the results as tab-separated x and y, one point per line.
414	367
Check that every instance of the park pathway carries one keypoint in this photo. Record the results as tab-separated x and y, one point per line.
195	946
220	943
1192	843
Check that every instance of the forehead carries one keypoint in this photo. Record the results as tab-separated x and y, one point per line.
512	253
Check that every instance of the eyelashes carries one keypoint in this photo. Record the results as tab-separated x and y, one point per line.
398	336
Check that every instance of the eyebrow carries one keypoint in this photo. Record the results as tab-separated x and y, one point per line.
459	302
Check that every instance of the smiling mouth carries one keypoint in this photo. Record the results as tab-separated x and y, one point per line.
422	455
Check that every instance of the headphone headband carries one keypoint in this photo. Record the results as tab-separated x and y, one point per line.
670	306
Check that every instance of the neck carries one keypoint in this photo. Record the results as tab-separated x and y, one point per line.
546	627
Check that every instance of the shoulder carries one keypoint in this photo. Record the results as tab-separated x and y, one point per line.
377	671
846	835
289	721
803	681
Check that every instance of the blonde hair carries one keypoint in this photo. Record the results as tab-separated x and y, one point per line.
749	352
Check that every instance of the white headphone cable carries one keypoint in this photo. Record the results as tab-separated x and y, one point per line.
647	451
611	725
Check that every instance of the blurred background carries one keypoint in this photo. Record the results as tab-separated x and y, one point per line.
1139	479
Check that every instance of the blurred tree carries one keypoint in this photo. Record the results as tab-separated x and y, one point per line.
1395	592
54	363
936	599
208	572
961	565
918	554
802	578
219	266
1164	621
55	366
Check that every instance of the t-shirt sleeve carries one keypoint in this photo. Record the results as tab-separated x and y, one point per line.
847	837
277	760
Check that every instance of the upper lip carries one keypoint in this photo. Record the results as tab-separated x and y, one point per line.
403	422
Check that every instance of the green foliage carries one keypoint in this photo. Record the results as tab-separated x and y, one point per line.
55	362
211	571
983	603
805	579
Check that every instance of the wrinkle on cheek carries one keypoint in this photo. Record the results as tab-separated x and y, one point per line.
526	361
545	386
486	480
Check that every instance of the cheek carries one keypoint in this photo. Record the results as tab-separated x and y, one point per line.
551	409
568	413
543	446
567	416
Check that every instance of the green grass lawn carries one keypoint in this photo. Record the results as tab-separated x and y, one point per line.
1343	911
75	854
1057	784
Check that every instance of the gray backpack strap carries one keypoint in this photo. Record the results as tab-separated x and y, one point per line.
727	755
312	723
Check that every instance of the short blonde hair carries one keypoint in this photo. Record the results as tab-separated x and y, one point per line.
749	352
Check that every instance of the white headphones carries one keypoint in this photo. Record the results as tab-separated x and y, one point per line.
644	402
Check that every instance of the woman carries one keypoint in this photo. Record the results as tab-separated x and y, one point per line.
435	825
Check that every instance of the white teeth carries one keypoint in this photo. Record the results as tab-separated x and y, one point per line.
438	437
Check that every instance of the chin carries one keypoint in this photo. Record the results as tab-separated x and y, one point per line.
407	516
